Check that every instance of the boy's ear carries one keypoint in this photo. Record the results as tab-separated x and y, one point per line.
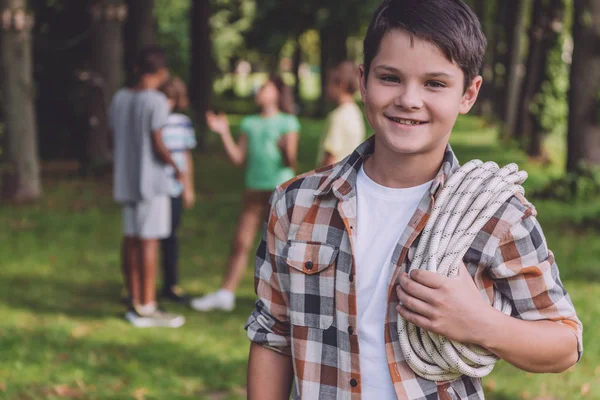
363	82
470	95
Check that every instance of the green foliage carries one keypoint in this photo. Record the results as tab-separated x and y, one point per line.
583	185
551	104
172	17
230	19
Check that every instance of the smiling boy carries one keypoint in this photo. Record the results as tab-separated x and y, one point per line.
331	269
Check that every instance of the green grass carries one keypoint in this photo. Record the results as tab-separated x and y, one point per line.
61	328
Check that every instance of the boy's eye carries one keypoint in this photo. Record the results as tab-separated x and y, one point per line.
390	78
436	84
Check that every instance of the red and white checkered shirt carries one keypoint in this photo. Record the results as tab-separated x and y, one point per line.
305	281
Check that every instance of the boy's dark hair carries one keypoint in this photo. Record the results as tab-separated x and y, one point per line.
150	60
176	90
448	24
346	74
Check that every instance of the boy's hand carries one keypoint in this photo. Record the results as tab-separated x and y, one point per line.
189	198
217	123
450	307
178	174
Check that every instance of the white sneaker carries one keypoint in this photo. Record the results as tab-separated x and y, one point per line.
221	300
157	318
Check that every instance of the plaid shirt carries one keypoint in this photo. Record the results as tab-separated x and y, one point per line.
305	273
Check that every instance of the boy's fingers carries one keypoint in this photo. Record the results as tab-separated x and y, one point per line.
430	279
414	304
414	318
416	289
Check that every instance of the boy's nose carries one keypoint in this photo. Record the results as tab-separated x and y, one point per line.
408	99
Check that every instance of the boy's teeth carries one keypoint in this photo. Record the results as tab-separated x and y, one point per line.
406	121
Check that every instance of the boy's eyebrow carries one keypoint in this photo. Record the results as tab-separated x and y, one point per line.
387	68
438	75
427	75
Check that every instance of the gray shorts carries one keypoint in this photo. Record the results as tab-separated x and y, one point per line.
148	219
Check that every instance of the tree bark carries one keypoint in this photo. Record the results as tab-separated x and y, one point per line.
21	182
139	32
507	11
106	59
547	20
107	51
583	138
334	36
297	59
202	64
483	106
514	76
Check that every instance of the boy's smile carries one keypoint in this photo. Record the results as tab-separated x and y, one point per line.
413	95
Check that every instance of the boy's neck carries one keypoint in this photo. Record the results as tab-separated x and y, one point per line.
399	171
345	98
148	82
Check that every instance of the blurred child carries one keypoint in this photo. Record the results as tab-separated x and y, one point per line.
141	185
178	137
345	127
268	146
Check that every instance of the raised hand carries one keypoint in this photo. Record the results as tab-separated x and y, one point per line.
217	123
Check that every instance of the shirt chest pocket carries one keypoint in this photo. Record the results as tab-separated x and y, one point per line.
312	283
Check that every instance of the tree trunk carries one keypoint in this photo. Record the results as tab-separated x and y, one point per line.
533	73
139	31
297	59
507	11
544	33
514	76
583	139
106	59
107	53
483	106
202	64
334	36
21	182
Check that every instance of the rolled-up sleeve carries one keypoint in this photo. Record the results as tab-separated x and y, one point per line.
268	324
524	270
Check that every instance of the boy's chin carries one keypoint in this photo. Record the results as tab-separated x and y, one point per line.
402	146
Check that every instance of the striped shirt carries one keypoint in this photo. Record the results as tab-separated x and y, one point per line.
178	137
305	281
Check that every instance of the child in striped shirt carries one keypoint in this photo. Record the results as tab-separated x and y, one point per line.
178	136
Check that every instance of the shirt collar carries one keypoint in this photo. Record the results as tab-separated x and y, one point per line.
342	179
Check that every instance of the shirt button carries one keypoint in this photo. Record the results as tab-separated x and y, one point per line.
350	330
351	278
353	382
309	265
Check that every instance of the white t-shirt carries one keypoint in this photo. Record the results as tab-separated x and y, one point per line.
383	214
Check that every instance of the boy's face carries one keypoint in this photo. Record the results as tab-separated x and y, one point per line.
163	75
334	88
413	95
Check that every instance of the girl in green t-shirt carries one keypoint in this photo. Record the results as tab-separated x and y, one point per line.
268	147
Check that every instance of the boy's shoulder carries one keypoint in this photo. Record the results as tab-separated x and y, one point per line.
155	95
302	189
514	211
346	112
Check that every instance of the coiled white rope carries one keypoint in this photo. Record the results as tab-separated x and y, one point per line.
466	203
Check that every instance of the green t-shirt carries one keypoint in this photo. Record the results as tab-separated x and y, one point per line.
264	166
